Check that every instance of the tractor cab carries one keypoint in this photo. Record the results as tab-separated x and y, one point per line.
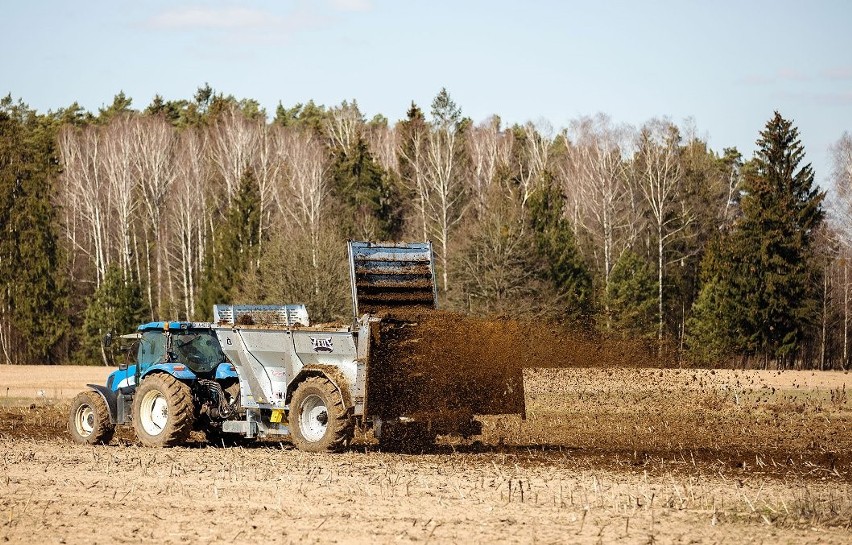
177	347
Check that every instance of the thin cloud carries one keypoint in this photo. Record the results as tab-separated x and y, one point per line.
242	25
838	99
838	73
823	99
756	79
352	5
780	76
791	74
207	18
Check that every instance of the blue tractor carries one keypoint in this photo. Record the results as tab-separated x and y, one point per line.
176	379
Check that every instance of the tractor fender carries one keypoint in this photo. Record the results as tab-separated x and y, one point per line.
330	372
225	371
111	399
177	370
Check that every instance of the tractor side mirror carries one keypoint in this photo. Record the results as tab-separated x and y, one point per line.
108	340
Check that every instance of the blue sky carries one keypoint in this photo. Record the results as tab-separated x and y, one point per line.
728	65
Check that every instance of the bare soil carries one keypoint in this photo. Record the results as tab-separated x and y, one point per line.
624	455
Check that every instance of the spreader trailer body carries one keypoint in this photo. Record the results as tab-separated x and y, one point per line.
259	371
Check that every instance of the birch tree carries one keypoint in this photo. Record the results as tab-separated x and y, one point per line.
596	152
233	147
303	198
841	177
86	194
189	206
412	148
535	154
444	196
383	144
659	176
154	154
489	148
118	165
841	211
344	126
269	169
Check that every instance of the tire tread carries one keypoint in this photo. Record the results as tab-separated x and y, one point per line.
339	418
104	429
181	411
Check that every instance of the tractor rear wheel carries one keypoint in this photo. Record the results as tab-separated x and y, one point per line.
162	411
318	419
88	420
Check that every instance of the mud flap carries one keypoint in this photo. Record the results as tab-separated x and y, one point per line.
111	399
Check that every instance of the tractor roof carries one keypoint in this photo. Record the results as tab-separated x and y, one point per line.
174	326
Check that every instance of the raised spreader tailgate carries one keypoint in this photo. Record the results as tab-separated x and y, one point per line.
388	276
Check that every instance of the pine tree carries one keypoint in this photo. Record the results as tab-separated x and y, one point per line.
235	250
631	297
117	307
308	116
559	258
120	105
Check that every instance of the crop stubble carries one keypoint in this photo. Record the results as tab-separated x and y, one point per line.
612	449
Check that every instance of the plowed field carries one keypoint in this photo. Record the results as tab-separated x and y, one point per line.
605	455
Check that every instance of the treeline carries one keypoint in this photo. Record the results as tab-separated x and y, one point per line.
115	218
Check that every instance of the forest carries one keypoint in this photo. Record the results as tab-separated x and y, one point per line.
126	215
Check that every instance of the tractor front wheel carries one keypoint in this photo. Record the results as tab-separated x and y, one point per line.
88	420
318	419
162	411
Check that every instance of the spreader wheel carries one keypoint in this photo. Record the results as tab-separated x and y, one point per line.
318	419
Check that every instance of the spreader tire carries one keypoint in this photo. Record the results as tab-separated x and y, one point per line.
318	419
162	411
88	420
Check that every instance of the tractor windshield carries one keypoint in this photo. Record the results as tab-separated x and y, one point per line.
198	350
151	351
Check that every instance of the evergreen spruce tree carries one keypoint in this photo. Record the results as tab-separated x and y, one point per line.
34	294
763	277
234	252
781	212
559	258
632	297
117	307
718	326
369	193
